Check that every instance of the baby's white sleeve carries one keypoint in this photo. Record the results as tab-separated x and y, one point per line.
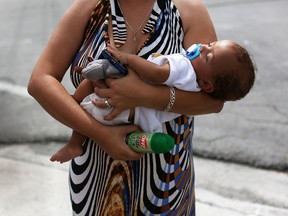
182	74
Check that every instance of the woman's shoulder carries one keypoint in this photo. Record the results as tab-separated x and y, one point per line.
87	2
79	13
85	5
196	21
82	8
190	10
189	7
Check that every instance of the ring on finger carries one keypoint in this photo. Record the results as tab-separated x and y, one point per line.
107	104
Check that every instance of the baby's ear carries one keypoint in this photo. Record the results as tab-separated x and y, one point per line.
206	86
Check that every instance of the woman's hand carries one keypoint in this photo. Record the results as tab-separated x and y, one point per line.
113	142
124	93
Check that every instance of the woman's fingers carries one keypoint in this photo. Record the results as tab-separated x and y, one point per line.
114	143
101	103
103	92
115	112
106	104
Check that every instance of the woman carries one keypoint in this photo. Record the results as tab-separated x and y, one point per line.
110	178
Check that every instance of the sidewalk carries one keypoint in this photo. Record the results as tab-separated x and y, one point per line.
33	186
236	190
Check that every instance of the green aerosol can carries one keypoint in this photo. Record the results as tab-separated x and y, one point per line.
143	142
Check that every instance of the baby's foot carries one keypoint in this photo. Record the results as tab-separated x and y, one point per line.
66	153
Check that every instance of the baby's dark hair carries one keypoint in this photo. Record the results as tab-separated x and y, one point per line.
235	84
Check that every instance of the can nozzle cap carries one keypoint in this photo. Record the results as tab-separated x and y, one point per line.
162	143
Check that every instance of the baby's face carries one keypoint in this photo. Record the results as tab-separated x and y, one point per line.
214	58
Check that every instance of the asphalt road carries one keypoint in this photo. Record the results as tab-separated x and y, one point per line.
252	131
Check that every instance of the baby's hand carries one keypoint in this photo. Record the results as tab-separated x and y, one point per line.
119	55
79	69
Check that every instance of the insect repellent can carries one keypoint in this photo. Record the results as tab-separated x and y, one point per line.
143	142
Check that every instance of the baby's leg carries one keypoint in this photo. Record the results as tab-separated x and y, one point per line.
85	88
71	150
74	147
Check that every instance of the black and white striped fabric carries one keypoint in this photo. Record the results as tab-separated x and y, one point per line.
158	184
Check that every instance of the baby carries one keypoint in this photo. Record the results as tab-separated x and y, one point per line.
223	69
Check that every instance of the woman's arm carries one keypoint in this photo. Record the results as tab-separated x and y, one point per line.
45	86
130	91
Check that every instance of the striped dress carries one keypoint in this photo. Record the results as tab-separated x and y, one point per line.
158	184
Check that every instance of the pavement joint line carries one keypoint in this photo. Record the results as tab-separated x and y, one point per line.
14	89
53	165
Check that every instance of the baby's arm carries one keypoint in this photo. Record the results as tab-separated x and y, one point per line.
145	69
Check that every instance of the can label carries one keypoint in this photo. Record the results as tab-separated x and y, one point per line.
140	142
143	141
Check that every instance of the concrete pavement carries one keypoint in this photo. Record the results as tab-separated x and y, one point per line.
31	185
251	132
